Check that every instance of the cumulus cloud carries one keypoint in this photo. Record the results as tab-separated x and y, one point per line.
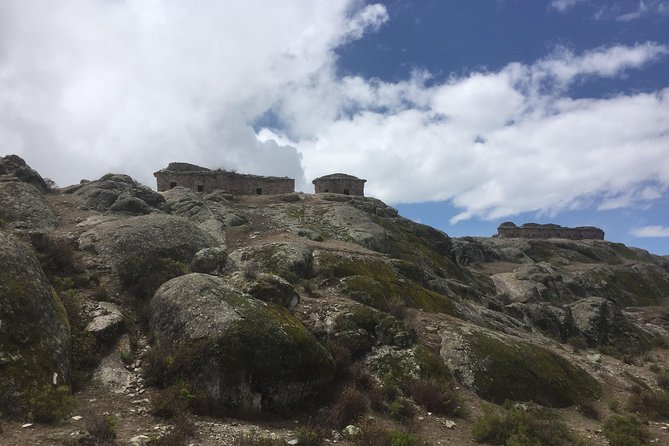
650	231
88	86
494	143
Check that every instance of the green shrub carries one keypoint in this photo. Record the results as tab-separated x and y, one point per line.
375	435
102	429
172	401
255	440
401	410
589	410
520	427
55	255
309	437
182	430
653	404
51	403
436	397
662	379
348	407
625	430
142	275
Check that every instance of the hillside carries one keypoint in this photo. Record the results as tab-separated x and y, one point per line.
211	319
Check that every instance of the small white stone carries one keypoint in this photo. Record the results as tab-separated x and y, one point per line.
26	425
77	417
449	424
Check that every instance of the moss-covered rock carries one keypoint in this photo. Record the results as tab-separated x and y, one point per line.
34	330
375	282
499	368
267	287
288	260
238	352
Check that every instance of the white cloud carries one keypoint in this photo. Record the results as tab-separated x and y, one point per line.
650	231
564	5
495	143
89	86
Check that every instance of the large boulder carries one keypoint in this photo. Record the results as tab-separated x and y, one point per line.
15	165
123	239
267	287
500	367
34	330
119	193
23	206
602	323
238	352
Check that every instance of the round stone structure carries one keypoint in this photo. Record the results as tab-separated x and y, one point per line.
340	183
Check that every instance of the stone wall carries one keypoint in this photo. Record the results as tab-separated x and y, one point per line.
339	183
534	230
201	179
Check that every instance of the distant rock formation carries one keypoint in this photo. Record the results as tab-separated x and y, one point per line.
535	230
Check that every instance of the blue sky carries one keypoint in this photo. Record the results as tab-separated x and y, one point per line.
462	114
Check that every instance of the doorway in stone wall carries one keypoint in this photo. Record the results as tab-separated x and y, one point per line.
258	190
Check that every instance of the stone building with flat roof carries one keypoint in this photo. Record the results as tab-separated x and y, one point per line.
201	179
340	183
535	230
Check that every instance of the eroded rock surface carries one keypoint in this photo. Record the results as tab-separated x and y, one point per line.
238	351
34	330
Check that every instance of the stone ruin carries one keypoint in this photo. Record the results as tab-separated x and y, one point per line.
535	230
340	183
205	180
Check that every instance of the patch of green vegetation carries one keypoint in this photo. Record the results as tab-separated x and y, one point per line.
143	274
515	426
421	245
309	437
653	404
519	371
626	430
401	410
375	435
431	366
50	403
375	282
383	295
256	440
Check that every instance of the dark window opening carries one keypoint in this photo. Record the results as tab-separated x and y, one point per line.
346	192
327	190
258	190
200	188
173	184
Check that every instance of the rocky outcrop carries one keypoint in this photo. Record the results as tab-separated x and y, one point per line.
34	329
291	261
500	367
237	351
15	166
601	323
119	193
23	206
266	287
122	239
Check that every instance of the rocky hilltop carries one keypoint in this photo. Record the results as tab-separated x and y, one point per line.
129	316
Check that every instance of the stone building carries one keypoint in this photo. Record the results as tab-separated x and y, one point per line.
535	230
340	183
201	179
